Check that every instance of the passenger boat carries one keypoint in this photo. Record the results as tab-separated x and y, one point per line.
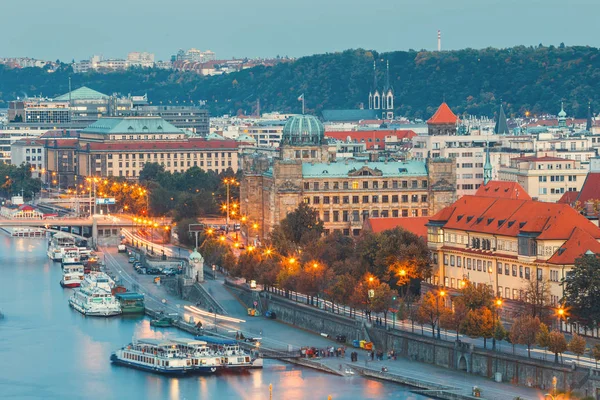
94	301
204	360
233	357
162	321
160	356
72	275
131	303
98	280
57	243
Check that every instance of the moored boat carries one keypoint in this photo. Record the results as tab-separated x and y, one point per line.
58	243
233	357
162	321
72	275
99	280
131	303
160	356
94	301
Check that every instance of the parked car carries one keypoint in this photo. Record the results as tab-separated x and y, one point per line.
153	271
132	260
168	271
121	248
340	338
271	314
141	270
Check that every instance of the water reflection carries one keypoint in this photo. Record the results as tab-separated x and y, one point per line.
56	353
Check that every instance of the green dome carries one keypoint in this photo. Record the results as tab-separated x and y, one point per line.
562	112
303	129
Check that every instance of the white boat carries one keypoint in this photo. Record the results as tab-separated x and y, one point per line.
59	242
233	357
98	280
70	255
95	301
161	356
72	275
204	359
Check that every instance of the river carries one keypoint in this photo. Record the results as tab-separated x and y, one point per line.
49	351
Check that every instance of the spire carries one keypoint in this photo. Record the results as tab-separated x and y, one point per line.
562	116
387	77
487	167
374	77
501	124
588	125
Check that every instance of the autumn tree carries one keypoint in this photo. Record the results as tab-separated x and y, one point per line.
476	296
382	299
524	331
431	309
577	345
341	289
299	228
536	294
454	319
542	338
479	323
557	344
500	332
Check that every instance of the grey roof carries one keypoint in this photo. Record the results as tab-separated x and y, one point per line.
82	93
501	127
348	115
383	169
131	125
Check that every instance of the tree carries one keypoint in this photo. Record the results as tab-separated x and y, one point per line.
299	228
431	309
581	292
595	353
577	345
479	323
557	344
524	331
500	332
382	299
476	296
454	319
341	288
537	296
542	338
151	172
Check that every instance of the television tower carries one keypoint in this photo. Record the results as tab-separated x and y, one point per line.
439	40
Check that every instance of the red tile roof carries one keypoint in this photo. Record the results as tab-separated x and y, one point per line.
503	190
415	225
509	217
578	244
443	115
590	189
371	138
568	198
193	143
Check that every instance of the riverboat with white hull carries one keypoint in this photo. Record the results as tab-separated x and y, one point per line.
98	280
58	243
160	356
72	275
233	357
204	359
95	302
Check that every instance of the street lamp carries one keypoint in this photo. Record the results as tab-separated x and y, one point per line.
497	305
228	182
441	295
560	312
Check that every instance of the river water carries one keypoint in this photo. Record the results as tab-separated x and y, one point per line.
49	351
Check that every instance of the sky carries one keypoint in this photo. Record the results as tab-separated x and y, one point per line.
78	29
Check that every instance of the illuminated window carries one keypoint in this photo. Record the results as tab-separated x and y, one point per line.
354	185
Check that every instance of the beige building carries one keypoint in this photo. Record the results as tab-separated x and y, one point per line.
545	178
344	193
502	239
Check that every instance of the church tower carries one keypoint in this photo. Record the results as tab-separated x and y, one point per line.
562	116
382	98
487	167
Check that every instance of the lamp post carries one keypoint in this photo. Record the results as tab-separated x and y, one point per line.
228	181
497	305
441	295
560	312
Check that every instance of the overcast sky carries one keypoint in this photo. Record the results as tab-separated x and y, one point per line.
67	29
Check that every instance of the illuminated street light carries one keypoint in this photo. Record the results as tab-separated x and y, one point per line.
292	261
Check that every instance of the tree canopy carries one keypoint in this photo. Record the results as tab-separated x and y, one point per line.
582	290
472	81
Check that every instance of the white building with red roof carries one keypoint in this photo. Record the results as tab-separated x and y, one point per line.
507	241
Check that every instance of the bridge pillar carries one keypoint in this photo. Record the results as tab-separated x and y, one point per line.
94	232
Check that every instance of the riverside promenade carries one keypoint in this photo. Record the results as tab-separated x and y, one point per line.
427	379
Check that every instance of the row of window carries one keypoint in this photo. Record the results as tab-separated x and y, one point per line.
469	165
345	215
33	151
501	268
505	292
415	198
175	164
132	173
370	184
557	178
148	156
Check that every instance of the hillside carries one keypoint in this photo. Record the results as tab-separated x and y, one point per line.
471	81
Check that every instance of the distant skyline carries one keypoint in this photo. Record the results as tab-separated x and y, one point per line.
75	29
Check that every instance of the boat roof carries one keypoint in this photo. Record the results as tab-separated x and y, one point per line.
215	340
156	342
188	341
129	296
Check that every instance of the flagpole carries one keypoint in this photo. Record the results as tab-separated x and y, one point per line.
302	103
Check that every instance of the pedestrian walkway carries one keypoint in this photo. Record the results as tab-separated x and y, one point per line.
455	381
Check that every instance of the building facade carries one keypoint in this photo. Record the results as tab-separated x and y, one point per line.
344	193
505	242
545	178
